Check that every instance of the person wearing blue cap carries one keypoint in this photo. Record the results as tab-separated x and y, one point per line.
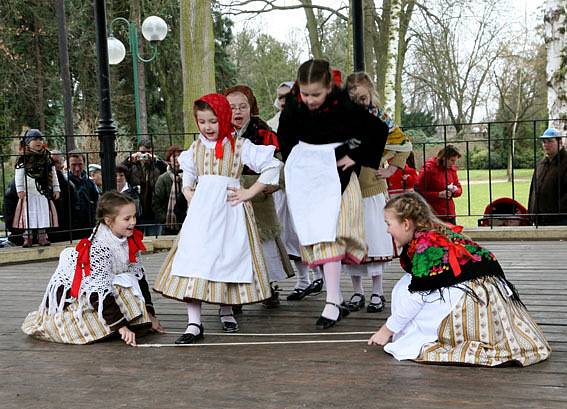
547	203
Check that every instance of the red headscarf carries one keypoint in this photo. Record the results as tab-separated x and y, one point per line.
221	108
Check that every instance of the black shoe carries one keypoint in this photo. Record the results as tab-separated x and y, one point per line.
353	306
229	326
324	323
274	300
375	306
188	338
314	288
317	286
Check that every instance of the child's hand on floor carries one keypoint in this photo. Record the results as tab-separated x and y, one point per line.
381	337
127	336
156	325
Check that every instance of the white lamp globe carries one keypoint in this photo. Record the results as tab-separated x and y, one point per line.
154	28
116	51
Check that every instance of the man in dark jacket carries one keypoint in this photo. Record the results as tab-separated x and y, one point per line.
67	205
548	190
86	192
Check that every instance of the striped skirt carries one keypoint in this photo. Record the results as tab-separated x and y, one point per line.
350	243
215	292
487	333
84	327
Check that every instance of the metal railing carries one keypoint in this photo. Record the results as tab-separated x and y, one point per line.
505	160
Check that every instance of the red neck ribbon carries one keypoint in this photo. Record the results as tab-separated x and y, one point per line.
83	264
135	244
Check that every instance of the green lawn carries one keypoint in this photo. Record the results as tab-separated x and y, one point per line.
495	174
480	198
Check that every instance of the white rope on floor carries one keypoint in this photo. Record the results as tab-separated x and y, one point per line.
334	341
283	334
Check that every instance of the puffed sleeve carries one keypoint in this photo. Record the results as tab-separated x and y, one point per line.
404	311
187	163
20	179
261	160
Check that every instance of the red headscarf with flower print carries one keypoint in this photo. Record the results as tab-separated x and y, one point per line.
221	108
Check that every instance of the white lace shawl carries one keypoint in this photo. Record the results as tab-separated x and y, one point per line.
108	257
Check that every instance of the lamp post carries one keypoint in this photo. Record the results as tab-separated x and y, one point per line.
106	130
153	29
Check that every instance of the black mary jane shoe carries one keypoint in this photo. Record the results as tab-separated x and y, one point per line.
312	289
229	326
316	286
374	307
189	338
325	323
354	306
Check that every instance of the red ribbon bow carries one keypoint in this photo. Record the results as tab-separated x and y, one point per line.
135	244
454	251
83	264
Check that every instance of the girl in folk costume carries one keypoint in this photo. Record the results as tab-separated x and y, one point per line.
248	125
99	287
37	185
455	304
303	286
220	259
323	193
374	192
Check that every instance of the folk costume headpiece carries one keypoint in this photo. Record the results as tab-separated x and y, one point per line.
249	94
221	108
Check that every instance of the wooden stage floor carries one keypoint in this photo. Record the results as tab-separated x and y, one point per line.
278	360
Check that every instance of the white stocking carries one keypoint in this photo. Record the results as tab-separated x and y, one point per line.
332	273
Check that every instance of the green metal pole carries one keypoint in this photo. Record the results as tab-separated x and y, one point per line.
133	40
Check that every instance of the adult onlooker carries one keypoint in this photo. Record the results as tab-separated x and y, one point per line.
123	186
95	173
67	205
438	183
404	179
281	92
548	190
144	169
168	186
86	192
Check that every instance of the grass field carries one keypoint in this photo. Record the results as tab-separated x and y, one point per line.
480	193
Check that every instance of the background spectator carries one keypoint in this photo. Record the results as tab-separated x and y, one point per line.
168	186
144	169
67	205
548	190
403	179
438	183
123	186
86	191
95	174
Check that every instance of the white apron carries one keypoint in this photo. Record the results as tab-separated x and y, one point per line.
313	192
213	242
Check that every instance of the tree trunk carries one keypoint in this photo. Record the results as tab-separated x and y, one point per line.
136	18
369	26
312	29
556	42
381	50
392	58
40	77
197	57
405	18
65	75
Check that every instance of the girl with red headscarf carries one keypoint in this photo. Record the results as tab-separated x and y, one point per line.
220	259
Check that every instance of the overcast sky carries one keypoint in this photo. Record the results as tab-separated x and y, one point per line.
284	24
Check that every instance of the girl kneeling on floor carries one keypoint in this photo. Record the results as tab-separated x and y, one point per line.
99	287
455	304
218	258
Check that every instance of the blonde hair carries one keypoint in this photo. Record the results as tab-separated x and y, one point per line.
361	78
413	206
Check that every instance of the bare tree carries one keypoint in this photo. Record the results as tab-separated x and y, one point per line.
556	42
454	49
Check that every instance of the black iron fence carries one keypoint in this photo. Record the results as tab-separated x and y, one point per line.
495	173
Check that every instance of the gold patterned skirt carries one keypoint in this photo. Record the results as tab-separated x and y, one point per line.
478	332
74	326
350	243
215	292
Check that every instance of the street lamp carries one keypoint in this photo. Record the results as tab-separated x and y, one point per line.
153	29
